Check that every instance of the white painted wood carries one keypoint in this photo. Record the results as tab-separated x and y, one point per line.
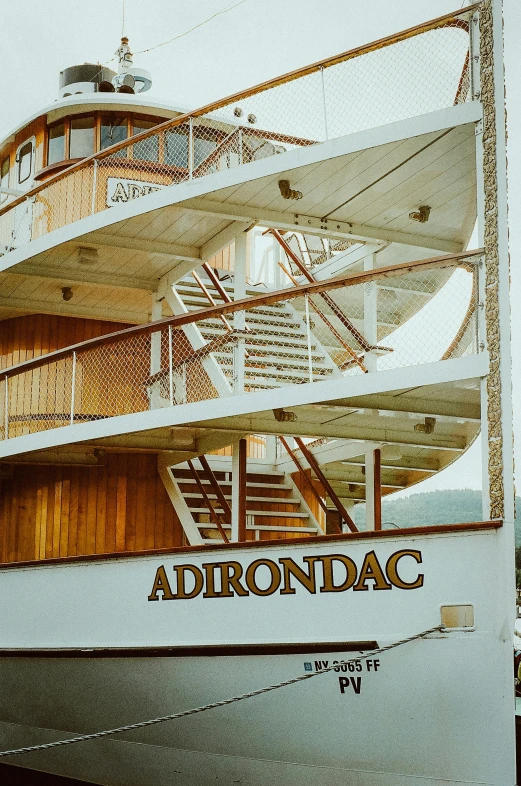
223	239
235	494
197	341
279	220
242	261
176	497
343	261
506	577
369	490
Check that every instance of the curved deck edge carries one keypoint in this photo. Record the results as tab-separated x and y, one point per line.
433	529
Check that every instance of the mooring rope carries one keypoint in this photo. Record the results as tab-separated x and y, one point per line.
142	724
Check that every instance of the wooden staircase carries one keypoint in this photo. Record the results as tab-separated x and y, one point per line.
278	351
274	506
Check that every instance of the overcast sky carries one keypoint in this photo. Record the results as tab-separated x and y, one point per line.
256	40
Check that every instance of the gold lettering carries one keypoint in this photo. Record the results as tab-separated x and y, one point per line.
327	566
392	570
210	580
134	191
181	571
275	577
231	572
371	571
292	569
161	585
119	194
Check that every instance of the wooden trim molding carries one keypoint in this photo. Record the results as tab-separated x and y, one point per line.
200	651
435	530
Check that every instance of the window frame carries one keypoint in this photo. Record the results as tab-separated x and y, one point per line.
18	160
4	197
130	118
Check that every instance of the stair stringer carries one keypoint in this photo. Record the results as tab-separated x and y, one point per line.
182	510
313	521
194	336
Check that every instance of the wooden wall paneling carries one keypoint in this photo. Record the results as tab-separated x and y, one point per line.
112	504
121	504
73	512
48	474
81	545
65	515
150	514
129	535
101	509
92	506
141	506
44	503
57	512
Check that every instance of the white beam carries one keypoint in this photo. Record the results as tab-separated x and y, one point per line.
172	250
369	490
83	275
223	239
315	225
344	261
28	305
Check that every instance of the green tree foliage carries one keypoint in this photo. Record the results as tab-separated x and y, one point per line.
435	507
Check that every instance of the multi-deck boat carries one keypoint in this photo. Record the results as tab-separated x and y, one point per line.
220	331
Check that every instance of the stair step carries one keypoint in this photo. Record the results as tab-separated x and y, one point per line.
267	500
270	513
264	528
271	339
294	362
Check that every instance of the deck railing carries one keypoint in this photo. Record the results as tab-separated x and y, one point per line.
424	311
419	70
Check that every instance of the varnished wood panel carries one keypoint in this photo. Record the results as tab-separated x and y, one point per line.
49	511
37	395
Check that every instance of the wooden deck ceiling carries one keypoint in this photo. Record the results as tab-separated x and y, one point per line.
393	421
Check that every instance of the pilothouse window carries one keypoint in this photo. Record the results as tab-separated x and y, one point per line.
56	144
82	137
25	159
113	130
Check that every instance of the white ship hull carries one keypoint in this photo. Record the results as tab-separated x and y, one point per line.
149	660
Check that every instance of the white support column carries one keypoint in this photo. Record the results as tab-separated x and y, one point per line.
369	490
155	342
155	352
370	314
234	537
480	206
271	449
238	529
242	259
498	414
